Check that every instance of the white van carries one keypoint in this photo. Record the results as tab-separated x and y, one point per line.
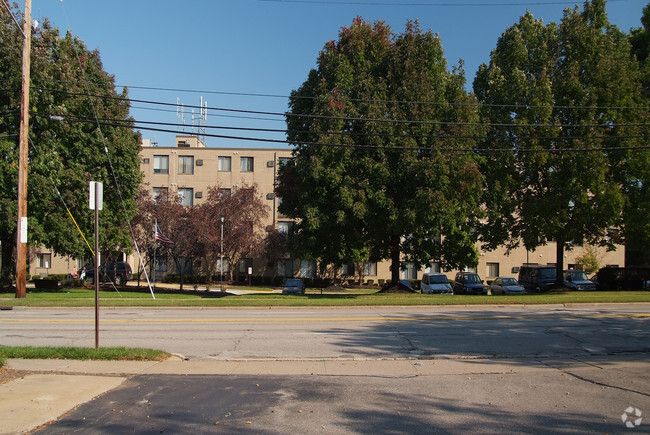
435	283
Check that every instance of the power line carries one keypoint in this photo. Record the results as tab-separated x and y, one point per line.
426	4
477	104
129	124
363	119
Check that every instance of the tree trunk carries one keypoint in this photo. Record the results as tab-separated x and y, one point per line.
394	259
7	263
559	262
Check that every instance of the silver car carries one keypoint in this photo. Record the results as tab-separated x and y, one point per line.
435	283
504	285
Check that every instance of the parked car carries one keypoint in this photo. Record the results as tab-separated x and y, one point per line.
469	283
578	280
435	283
117	272
536	278
293	285
504	285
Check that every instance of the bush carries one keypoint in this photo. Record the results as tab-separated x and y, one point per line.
46	284
381	282
370	282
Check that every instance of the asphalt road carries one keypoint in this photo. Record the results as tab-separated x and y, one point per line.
343	333
550	369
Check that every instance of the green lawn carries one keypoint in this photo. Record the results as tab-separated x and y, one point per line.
81	353
263	297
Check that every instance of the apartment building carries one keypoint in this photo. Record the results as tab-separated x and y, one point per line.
189	168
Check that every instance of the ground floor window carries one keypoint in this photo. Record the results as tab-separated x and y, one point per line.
370	269
44	260
433	268
285	268
410	272
307	269
492	270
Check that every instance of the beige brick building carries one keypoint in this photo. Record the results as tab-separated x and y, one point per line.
190	167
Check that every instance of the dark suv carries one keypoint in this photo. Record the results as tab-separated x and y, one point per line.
469	283
118	272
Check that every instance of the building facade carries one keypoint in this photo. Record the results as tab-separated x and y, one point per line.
190	168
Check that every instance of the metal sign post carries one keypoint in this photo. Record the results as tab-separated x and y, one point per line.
95	202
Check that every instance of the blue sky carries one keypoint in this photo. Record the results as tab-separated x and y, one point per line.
218	48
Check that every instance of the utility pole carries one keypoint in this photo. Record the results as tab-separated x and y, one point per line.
21	228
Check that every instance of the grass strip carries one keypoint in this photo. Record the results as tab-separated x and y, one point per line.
312	298
82	353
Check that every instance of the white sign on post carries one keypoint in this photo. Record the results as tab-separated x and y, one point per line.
100	195
23	229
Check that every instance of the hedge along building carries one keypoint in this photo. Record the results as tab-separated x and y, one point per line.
189	168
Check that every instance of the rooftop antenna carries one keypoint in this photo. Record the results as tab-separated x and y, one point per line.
203	118
180	114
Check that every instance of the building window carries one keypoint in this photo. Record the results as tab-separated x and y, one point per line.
347	269
283	161
307	269
159	194
160	164
246	164
370	269
285	268
433	268
45	260
224	192
410	272
285	227
492	270
186	165
226	266
187	196
224	163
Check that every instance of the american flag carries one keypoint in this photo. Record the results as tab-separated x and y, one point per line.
161	237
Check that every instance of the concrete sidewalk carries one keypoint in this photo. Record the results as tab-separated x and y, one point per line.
54	387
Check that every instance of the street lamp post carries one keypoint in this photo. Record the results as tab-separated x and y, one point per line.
221	261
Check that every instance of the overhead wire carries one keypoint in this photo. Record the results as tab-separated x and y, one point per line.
429	4
440	137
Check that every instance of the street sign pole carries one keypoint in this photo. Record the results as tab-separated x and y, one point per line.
95	202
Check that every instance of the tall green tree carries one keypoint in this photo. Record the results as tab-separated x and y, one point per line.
70	95
556	97
637	171
372	178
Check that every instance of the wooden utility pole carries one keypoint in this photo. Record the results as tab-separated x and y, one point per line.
21	228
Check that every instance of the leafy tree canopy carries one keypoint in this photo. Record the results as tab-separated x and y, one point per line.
67	81
371	178
556	96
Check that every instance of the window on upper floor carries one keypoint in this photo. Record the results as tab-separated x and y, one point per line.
283	161
224	164
246	164
186	165
160	164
